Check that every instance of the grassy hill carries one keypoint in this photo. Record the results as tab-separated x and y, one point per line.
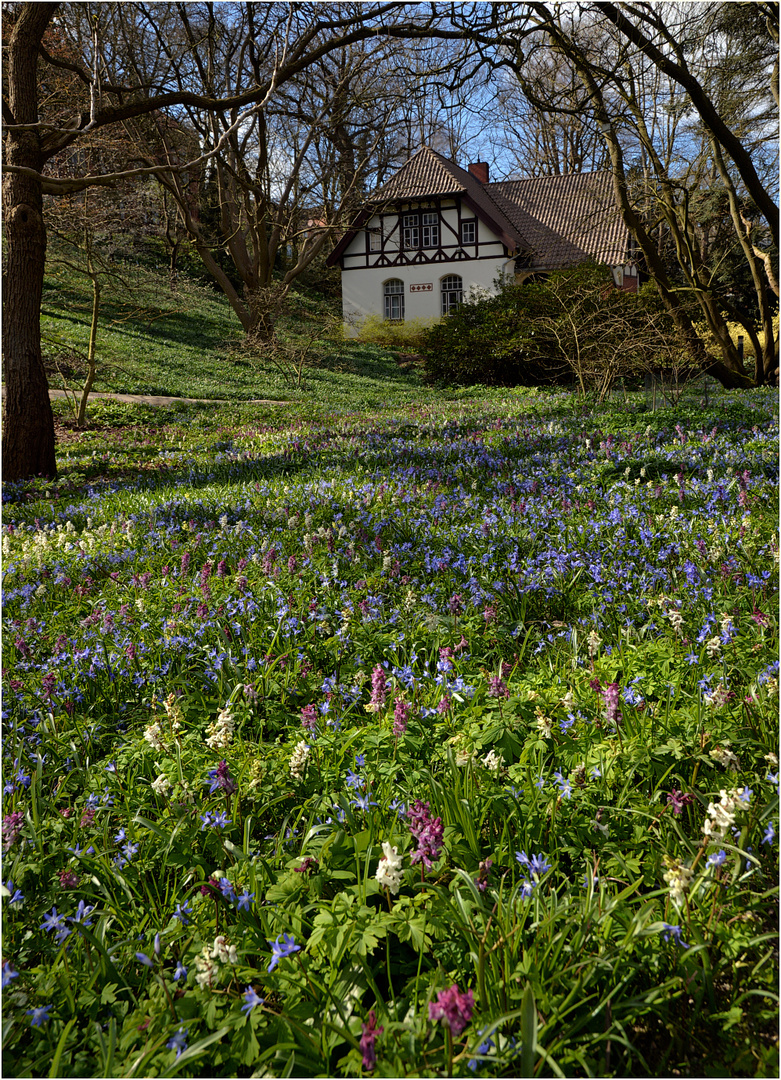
188	343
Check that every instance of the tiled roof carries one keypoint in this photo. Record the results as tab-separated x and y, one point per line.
427	174
558	221
567	219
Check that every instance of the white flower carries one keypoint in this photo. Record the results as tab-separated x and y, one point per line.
721	815
298	760
220	733
713	647
206	970
154	736
593	641
161	786
224	952
724	756
677	877
676	619
463	757
492	761
389	868
771	759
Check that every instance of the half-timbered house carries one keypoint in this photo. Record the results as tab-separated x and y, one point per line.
434	231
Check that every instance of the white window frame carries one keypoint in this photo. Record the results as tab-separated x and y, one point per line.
469	226
430	230
375	238
411	232
451	291
393	300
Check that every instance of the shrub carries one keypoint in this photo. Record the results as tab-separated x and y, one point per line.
572	326
393	335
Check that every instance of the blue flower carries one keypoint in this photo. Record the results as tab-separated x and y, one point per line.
363	802
178	1041
181	913
770	834
82	911
674	932
40	1016
16	894
745	794
285	945
251	999
181	971
8	973
717	858
145	959
243	902
52	921
354	780
227	890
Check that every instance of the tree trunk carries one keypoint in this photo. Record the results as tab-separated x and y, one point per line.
28	423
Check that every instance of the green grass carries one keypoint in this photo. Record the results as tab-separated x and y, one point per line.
189	343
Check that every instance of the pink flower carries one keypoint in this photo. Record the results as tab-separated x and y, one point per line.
428	833
309	717
68	880
453	1008
379	688
369	1033
611	695
400	716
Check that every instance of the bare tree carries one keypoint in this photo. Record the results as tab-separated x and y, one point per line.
159	63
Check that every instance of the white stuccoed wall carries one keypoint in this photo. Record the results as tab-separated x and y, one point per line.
362	287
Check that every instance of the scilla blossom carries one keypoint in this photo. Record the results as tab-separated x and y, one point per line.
389	868
298	760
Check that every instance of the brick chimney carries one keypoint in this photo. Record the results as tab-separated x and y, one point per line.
479	169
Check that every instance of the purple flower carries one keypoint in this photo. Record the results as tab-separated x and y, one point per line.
178	1041
222	780
379	688
12	826
611	694
227	890
285	945
428	833
453	1008
677	799
497	688
483	870
369	1033
309	717
401	713
181	971
40	1016
770	834
251	999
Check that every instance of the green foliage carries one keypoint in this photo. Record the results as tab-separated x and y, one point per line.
409	334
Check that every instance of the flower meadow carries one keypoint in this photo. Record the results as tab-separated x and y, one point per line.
439	740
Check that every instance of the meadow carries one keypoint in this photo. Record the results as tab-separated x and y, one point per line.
404	734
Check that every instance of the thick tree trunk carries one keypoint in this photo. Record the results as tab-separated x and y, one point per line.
28	423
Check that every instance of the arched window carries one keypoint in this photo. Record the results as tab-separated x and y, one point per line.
452	288
394	300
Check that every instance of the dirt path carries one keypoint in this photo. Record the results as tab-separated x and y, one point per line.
151	399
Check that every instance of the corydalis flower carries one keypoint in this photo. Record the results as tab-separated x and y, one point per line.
369	1033
309	717
389	868
677	799
220	733
12	826
379	689
298	760
427	832
453	1008
222	780
677	877
401	713
610	695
